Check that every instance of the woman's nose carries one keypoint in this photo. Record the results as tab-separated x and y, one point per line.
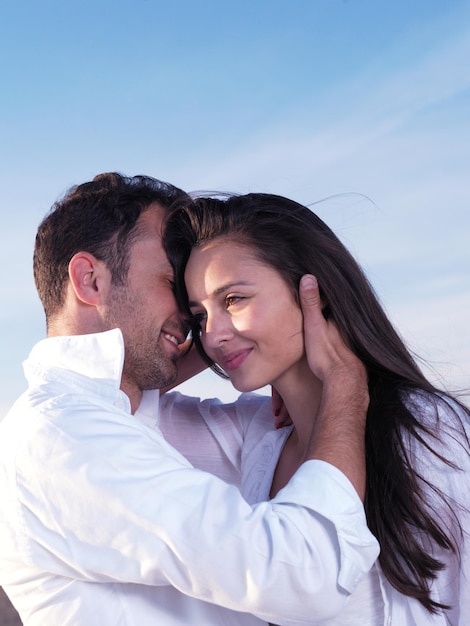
217	330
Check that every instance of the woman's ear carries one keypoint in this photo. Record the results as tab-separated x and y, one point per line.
89	278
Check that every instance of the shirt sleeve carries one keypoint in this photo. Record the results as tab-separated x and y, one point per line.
127	507
211	434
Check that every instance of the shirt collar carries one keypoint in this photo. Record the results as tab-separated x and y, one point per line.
149	408
98	357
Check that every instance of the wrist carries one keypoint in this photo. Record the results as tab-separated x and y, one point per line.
348	386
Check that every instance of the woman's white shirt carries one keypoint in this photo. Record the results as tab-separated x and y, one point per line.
245	448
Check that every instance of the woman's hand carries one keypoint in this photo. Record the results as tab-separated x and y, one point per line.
282	417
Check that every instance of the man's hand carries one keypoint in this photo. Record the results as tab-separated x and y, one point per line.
326	349
339	429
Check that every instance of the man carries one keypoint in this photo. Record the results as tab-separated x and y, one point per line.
102	521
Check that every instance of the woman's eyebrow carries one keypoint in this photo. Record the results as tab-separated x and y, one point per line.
226	287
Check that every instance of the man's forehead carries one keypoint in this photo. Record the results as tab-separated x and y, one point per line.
151	220
149	241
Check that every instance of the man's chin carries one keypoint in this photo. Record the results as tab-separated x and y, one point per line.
161	378
169	376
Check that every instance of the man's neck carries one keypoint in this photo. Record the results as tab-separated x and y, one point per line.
133	393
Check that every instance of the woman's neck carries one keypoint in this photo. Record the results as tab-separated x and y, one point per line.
301	393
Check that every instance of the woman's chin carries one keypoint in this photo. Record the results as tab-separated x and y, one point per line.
246	387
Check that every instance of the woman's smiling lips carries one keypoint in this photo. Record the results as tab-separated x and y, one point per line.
233	360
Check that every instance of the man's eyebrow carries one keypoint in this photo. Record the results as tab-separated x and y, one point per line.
226	287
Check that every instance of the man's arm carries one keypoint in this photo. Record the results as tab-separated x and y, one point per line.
140	514
338	435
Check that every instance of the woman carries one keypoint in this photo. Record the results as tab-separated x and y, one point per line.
238	262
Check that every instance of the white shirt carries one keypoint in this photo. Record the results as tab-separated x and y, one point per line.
252	459
104	523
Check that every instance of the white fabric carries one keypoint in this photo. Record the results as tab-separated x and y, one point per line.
375	601
102	522
365	607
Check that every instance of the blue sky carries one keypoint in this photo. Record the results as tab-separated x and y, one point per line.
364	102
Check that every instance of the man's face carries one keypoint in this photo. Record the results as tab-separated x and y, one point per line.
146	312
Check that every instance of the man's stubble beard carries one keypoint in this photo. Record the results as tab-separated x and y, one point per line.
146	365
149	366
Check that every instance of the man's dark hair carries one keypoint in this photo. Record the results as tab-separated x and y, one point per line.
98	217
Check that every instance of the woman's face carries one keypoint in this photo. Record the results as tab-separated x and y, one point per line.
251	324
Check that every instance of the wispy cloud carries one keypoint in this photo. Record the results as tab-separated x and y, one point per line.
401	137
396	133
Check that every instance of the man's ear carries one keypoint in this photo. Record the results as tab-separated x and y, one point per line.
89	278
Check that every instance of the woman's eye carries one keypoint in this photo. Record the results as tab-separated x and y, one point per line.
198	318
230	300
196	323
